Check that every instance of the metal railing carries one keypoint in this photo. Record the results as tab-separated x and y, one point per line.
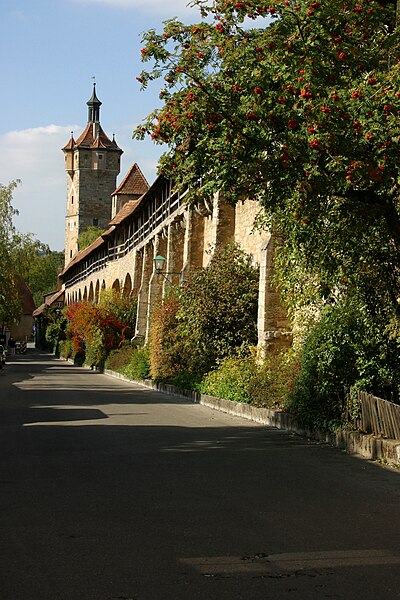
170	203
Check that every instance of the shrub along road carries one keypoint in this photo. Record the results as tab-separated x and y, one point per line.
109	491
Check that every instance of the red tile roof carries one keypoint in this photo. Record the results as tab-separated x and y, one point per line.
49	300
71	144
88	140
134	182
85	252
127	209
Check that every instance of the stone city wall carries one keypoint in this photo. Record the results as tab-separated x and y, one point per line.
186	238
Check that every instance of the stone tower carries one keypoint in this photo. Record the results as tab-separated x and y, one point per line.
92	163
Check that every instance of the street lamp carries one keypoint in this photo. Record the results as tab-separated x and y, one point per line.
159	264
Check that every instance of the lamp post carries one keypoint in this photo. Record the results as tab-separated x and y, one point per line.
159	265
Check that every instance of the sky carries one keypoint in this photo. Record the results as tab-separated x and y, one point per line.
49	52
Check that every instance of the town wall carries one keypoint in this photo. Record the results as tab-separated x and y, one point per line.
186	238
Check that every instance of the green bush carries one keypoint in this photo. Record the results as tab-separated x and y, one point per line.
210	318
95	351
348	347
272	383
218	309
244	379
138	367
231	380
119	358
66	348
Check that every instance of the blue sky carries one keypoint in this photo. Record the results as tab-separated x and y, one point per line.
49	51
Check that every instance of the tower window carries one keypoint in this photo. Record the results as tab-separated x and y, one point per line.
100	156
72	199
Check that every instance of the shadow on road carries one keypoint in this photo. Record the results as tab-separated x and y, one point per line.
111	491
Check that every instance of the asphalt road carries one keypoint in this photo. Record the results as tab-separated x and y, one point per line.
109	491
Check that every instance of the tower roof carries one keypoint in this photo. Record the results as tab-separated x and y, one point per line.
71	143
87	139
94	107
93	136
94	99
134	182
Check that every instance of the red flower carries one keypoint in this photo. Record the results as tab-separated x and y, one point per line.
372	80
258	90
314	144
292	124
355	95
325	109
251	116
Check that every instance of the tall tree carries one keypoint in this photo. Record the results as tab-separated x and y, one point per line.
10	305
300	113
36	264
88	236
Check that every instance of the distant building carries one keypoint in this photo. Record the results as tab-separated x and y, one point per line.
52	303
92	164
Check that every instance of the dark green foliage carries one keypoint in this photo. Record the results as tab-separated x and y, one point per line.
264	383
210	318
88	236
345	348
42	273
130	361
119	358
231	380
218	308
138	367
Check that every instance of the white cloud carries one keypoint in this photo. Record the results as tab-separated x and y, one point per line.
34	156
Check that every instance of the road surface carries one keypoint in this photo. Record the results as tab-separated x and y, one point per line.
110	491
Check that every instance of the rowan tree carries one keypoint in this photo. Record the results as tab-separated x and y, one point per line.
300	112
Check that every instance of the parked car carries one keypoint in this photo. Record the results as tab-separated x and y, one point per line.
3	354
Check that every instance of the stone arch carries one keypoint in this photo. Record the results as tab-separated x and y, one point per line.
80	296
127	285
85	294
116	286
91	292
103	285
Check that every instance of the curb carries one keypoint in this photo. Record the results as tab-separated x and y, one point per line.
353	442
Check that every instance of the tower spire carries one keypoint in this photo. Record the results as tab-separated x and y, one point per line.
94	107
